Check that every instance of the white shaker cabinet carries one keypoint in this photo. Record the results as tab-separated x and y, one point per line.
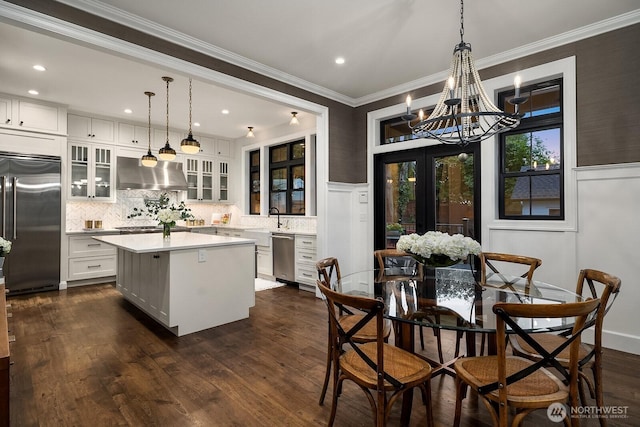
133	136
199	173
30	116
306	256
91	172
90	128
90	259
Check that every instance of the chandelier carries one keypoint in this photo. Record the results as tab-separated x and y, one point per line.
464	113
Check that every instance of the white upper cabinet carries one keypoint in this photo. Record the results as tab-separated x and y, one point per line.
90	128
30	116
200	182
207	145
5	111
91	175
223	147
132	135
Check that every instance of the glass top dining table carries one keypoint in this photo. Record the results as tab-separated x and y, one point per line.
453	298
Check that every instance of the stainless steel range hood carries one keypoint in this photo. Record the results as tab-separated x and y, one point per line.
131	175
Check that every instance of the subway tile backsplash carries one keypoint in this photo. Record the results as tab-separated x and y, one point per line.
115	214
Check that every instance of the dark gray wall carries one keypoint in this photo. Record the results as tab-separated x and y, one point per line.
341	128
608	110
608	96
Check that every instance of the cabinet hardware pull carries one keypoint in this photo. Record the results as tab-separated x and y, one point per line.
306	274
21	122
306	257
8	121
156	256
12	338
94	266
93	244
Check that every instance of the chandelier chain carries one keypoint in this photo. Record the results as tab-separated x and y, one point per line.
461	21
189	105
149	95
167	110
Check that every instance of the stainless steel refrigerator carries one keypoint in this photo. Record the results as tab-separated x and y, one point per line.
30	219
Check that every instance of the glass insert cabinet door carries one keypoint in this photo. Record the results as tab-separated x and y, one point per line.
79	170
91	172
431	188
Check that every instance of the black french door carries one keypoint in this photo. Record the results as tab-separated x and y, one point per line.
429	188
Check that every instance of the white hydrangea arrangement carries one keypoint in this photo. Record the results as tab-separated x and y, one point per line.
169	216
163	211
5	247
438	249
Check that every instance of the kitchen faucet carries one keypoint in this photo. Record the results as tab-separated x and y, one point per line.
273	208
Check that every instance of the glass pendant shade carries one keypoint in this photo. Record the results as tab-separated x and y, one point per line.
294	119
149	160
189	145
250	134
167	153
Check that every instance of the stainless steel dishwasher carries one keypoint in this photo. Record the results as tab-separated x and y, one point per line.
284	256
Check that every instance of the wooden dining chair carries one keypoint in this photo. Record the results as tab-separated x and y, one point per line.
591	284
513	382
388	259
500	269
491	264
328	273
382	371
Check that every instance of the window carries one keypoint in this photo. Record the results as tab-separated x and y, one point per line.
531	182
287	177
254	182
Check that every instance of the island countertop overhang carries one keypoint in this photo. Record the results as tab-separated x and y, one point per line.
154	242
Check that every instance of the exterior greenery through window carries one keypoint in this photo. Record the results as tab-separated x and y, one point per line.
287	178
531	184
254	182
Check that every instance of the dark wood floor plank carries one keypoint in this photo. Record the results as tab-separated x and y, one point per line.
86	357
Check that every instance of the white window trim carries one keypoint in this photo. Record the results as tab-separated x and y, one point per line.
490	151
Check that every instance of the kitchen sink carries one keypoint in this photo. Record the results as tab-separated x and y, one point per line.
260	235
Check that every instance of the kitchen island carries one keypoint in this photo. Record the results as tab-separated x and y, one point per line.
189	282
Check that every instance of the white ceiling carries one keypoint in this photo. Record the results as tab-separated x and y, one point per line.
387	44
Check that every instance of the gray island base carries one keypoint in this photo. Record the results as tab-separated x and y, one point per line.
189	282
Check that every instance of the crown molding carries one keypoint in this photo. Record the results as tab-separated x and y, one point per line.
111	13
120	16
585	32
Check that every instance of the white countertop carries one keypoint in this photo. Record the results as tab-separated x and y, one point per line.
153	242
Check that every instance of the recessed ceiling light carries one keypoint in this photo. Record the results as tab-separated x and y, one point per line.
225	111
196	124
128	110
38	67
339	60
33	92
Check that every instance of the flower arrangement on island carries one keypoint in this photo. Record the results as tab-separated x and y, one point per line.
437	249
166	214
5	247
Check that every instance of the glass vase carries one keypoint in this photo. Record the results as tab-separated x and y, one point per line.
166	231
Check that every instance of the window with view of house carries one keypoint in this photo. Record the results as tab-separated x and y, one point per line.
287	177
531	184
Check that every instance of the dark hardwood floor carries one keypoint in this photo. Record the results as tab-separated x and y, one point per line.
86	357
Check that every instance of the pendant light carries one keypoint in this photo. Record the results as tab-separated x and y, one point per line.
166	152
149	160
189	145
